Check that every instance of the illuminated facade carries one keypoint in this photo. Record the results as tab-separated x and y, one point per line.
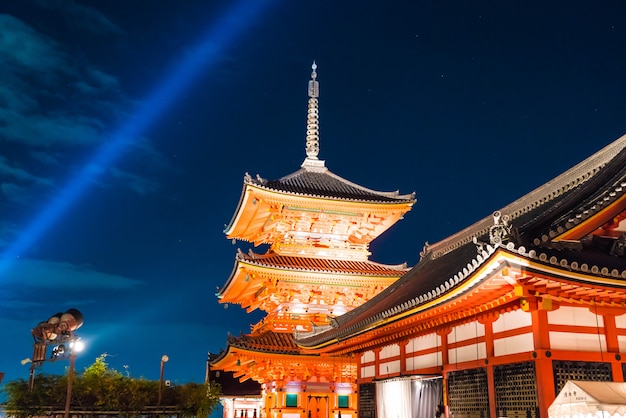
318	227
499	316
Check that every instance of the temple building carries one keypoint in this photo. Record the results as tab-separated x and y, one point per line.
317	227
493	321
497	318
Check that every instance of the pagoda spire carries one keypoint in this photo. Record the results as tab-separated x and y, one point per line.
312	123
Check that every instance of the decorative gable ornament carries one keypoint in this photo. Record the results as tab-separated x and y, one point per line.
500	232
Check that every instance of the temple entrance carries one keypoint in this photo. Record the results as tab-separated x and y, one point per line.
317	406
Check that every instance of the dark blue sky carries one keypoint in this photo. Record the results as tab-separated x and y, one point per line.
126	129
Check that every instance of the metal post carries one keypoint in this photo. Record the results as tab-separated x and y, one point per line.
164	359
207	376
70	378
31	378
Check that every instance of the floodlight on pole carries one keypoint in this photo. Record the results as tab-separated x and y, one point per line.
75	346
164	359
57	332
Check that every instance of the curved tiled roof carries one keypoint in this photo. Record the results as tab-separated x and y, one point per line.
322	265
321	182
537	200
553	208
266	342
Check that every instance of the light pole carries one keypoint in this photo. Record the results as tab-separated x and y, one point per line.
56	332
164	360
75	347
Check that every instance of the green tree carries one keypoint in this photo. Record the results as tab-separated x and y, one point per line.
48	394
100	389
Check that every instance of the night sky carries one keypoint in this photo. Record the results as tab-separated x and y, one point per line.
126	128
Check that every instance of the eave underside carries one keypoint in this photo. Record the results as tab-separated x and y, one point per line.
268	367
298	299
512	286
266	217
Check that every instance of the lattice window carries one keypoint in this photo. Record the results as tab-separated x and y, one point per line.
468	395
579	370
367	400
516	391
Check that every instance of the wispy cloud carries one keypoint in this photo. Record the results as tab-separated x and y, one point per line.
42	89
61	276
55	104
82	18
17	184
138	184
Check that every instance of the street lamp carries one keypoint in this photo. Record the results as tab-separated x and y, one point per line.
76	346
56	332
164	360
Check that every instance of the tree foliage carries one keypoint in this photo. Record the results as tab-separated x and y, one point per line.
104	391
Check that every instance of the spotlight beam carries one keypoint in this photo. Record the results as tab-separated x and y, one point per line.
231	26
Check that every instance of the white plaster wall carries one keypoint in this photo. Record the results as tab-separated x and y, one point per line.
467	353
466	332
389	351
512	320
577	342
570	315
620	321
368	356
426	360
621	340
389	367
515	344
423	342
290	415
369	371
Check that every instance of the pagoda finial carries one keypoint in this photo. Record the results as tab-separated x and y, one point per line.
312	122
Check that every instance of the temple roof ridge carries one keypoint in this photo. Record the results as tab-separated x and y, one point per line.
320	181
549	191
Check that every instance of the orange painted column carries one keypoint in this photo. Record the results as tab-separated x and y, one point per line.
377	362
487	321
543	362
445	359
402	346
610	333
612	346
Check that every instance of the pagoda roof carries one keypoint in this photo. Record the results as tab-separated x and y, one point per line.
265	342
314	190
367	275
231	386
268	209
274	357
320	182
322	265
552	227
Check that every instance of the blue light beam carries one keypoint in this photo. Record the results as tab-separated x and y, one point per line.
232	25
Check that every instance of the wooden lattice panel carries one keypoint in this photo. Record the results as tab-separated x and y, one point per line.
579	370
467	394
367	400
516	390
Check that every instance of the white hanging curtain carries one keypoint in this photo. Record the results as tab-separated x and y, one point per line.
393	398
427	395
